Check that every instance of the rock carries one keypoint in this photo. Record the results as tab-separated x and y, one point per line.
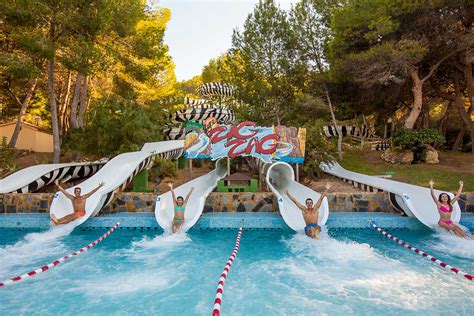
431	155
394	155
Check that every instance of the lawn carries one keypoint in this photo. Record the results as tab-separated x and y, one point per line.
453	166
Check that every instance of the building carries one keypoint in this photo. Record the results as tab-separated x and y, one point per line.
32	137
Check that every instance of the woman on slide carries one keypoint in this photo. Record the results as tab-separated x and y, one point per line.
179	207
445	208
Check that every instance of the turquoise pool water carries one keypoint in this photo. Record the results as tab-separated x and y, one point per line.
348	271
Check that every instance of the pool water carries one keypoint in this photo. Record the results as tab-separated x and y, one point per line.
348	271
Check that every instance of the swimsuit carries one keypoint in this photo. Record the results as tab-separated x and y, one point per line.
445	209
179	209
309	226
82	213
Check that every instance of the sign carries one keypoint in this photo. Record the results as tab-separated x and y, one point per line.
214	141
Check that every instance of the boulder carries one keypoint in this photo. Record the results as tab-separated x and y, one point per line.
431	155
395	155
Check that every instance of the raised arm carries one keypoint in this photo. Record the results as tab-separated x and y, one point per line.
320	200
433	196
187	196
300	206
458	194
172	193
101	184
67	194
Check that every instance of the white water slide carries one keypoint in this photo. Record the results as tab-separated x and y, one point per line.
164	207
280	178
413	200
116	174
34	178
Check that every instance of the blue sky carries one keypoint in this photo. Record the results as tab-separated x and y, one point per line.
202	29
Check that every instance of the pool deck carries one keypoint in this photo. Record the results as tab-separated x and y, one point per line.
226	221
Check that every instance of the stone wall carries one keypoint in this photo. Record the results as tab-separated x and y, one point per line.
216	202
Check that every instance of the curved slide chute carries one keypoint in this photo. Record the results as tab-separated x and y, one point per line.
33	178
164	207
280	178
415	201
116	174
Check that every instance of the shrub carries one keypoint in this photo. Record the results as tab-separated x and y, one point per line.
163	168
318	149
408	138
7	157
116	127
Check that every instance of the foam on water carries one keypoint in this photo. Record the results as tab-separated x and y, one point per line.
33	248
337	277
165	239
273	274
446	242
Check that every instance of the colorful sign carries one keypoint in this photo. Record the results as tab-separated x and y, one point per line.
216	141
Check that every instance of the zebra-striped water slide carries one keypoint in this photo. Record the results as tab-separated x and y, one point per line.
200	110
116	174
413	200
33	178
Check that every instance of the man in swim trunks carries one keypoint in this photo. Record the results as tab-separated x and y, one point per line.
445	209
78	204
179	208
311	213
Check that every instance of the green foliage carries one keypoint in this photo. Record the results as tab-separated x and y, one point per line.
261	64
7	158
163	168
408	138
318	148
114	127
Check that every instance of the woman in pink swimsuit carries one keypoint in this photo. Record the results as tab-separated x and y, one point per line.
445	208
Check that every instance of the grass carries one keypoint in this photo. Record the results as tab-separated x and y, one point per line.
453	166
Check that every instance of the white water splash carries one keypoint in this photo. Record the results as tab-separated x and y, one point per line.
449	243
164	240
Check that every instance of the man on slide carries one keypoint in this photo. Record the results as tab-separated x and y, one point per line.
78	204
311	213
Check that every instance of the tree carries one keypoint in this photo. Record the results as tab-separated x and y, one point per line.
261	62
309	28
383	42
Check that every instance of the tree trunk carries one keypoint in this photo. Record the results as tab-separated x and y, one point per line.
75	100
417	90
24	106
83	102
339	132
466	118
63	104
54	112
459	139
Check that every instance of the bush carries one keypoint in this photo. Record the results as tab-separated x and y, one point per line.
115	127
7	157
408	138
163	168
318	149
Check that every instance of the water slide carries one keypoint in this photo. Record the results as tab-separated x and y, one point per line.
280	178
34	178
116	174
164	207
413	200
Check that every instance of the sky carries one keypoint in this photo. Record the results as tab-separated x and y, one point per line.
202	29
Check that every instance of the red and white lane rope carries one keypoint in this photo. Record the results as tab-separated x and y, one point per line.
58	261
423	254
220	286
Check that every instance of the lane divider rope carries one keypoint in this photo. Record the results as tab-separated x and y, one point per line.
422	253
56	262
220	286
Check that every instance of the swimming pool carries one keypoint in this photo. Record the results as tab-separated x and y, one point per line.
348	271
